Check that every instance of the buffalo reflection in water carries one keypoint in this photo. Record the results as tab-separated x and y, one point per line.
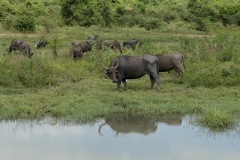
137	124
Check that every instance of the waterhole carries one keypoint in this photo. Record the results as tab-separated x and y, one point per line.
116	138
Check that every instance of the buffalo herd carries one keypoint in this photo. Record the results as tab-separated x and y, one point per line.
122	67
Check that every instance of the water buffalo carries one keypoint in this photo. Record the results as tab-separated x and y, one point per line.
42	43
114	44
85	46
76	53
131	44
168	62
95	41
93	37
21	46
132	67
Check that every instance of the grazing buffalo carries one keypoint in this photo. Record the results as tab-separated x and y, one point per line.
114	44
42	43
95	41
132	67
93	37
168	62
131	44
76	53
21	46
85	46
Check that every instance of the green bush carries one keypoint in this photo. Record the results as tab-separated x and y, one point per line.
215	119
201	74
47	23
9	21
228	47
230	73
17	70
224	56
24	24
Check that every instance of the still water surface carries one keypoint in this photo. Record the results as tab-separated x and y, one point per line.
173	139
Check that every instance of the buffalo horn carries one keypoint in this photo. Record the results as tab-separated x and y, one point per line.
101	63
117	63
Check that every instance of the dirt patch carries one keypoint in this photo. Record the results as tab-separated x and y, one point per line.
19	34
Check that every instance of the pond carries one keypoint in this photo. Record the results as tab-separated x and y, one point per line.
121	138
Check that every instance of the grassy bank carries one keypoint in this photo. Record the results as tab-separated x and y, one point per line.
79	91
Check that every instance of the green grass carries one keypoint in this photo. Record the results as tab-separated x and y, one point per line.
79	91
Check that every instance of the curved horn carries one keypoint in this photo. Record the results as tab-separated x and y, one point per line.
100	127
117	63
101	63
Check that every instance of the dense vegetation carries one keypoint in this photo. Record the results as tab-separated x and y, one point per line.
202	15
50	83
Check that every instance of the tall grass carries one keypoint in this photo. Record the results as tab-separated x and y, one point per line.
214	60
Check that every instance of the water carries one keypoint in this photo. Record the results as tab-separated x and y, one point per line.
115	139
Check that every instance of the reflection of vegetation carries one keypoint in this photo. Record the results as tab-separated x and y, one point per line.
216	120
213	131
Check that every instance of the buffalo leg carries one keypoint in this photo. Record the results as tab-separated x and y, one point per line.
125	84
179	71
158	84
153	79
118	85
10	49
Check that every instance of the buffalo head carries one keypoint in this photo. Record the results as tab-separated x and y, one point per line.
42	43
111	71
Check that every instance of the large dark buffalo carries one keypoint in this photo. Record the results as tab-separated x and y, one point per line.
42	43
76	53
21	46
132	67
85	46
131	44
168	62
114	44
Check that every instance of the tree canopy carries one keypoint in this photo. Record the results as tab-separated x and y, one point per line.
152	14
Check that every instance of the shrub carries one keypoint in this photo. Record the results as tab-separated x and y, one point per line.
214	119
24	24
228	47
230	73
55	42
224	56
47	23
8	21
17	70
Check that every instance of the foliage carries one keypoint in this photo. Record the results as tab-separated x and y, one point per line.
22	71
55	41
24	24
214	60
201	15
216	120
